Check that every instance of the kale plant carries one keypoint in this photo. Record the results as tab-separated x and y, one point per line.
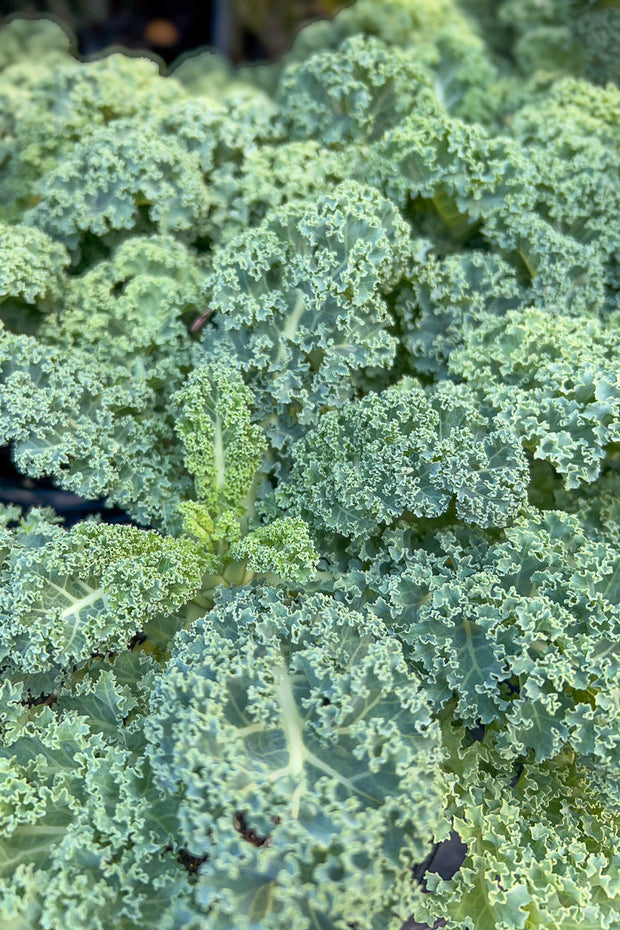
341	336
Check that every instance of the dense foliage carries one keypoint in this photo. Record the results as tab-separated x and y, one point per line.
341	336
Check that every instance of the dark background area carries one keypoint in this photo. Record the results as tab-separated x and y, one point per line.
243	30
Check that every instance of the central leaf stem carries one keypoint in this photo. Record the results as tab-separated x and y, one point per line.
293	731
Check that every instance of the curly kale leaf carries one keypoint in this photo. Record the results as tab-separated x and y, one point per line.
442	299
555	380
564	38
305	761
521	630
376	45
68	594
223	449
54	107
282	547
541	847
352	94
407	452
31	265
299	306
121	177
86	840
133	310
95	429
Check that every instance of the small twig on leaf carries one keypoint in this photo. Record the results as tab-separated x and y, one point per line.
201	320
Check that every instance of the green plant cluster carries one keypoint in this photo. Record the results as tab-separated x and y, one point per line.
341	335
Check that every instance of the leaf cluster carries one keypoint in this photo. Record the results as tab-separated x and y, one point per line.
340	336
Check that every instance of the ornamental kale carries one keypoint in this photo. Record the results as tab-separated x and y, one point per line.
340	335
